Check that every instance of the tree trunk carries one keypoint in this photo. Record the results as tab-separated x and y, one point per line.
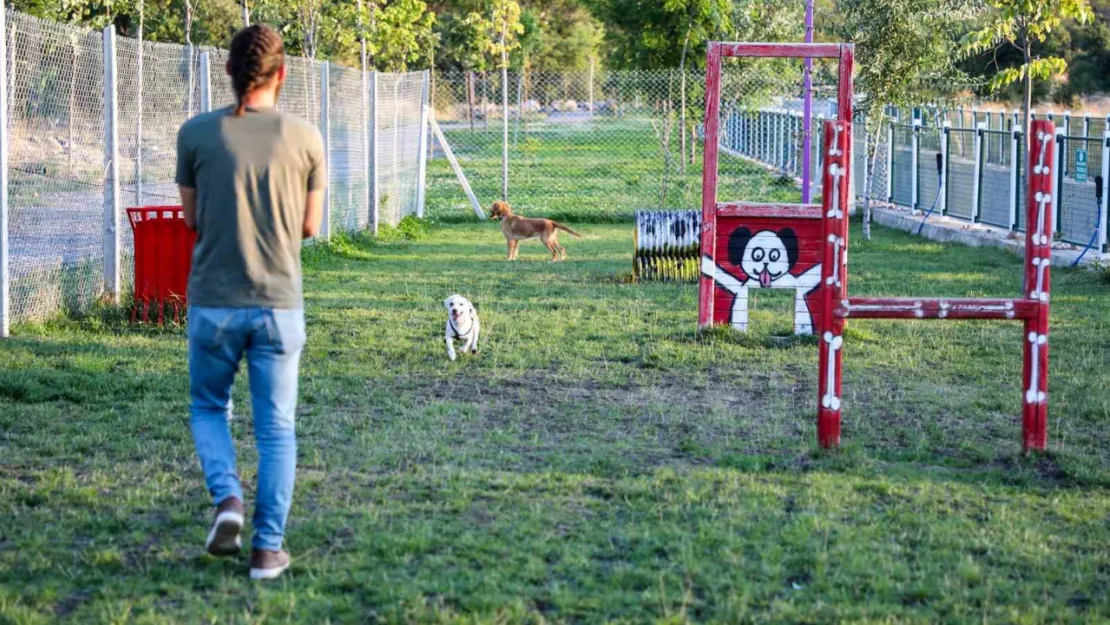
693	143
504	118
485	100
682	112
872	167
1027	104
470	98
246	14
72	107
519	101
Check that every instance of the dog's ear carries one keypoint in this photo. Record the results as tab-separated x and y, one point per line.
737	243
447	302
790	242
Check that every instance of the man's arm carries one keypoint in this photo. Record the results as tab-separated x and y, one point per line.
186	179
317	184
313	213
189	206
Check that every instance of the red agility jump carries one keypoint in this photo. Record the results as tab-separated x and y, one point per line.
729	254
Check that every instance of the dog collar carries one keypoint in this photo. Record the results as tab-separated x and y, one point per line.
458	335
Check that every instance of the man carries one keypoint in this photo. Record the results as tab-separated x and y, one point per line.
252	183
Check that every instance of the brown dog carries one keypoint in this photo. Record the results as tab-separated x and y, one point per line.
517	228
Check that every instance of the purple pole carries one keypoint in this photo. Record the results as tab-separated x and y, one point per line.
807	109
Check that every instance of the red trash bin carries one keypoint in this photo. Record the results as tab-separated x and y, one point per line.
163	258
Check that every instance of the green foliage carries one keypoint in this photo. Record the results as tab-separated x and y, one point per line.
904	49
398	35
1024	24
1087	50
653	34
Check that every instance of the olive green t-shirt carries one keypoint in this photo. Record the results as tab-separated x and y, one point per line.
252	174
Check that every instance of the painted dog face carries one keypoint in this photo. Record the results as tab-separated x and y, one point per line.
765	256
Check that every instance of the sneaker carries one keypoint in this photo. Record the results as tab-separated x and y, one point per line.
266	564
223	539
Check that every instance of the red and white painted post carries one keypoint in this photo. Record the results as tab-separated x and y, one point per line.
709	178
834	278
1040	209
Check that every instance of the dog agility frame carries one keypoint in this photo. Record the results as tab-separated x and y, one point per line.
835	305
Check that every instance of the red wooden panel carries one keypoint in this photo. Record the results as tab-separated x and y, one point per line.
756	209
803	228
808	256
728	307
726	299
780	50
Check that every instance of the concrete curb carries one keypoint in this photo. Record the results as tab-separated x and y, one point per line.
948	230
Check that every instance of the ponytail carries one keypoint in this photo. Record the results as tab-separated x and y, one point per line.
257	54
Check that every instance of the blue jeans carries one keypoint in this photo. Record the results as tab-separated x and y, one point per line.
272	341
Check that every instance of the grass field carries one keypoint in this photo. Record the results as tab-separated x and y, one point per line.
596	462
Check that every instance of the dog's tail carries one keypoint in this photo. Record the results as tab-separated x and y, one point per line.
562	227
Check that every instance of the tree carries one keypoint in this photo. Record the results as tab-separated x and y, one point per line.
1091	55
903	52
651	34
403	35
1022	24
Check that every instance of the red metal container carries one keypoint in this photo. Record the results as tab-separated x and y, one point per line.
163	259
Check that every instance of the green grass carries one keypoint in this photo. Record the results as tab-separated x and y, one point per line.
597	461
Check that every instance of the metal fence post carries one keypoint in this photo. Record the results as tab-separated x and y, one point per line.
372	155
1057	177
1063	165
1103	223
205	78
505	131
914	174
1015	167
111	166
5	267
890	159
780	143
325	130
591	105
945	137
422	159
139	119
1087	124
977	172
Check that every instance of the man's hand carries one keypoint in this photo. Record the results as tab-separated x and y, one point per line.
313	213
189	206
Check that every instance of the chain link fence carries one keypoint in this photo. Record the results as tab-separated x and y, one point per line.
60	189
600	146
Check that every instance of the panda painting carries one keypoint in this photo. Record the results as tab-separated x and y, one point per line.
766	259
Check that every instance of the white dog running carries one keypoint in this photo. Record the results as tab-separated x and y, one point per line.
462	325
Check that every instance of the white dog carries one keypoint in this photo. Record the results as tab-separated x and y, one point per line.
462	325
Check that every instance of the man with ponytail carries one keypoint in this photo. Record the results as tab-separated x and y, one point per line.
252	181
